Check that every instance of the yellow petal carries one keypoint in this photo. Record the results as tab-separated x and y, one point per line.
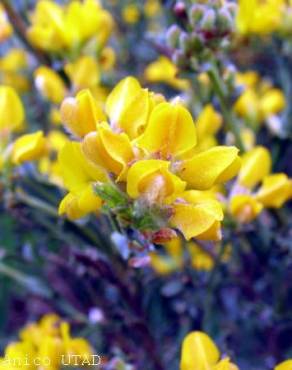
28	147
76	170
82	113
11	110
225	364
78	205
200	220
128	107
256	164
84	72
170	131
111	151
245	207
213	166
152	179
163	70
50	84
286	365
199	352
248	105
200	259
272	102
275	190
208	122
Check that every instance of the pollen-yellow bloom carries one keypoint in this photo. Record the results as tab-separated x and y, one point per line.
84	72
79	175
163	70
274	190
11	110
57	28
109	150
128	107
28	147
286	365
199	352
50	84
259	17
152	180
82	113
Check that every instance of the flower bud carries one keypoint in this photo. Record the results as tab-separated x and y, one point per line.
225	20
172	36
179	58
185	42
180	9
208	21
196	14
50	84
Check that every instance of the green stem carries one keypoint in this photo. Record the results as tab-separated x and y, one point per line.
37	203
210	285
228	115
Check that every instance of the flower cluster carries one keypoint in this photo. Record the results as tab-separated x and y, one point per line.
144	149
69	28
48	345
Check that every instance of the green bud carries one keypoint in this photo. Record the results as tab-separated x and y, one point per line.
225	20
179	58
196	13
208	21
185	42
172	36
197	42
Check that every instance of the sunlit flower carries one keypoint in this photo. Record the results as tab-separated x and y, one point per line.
199	352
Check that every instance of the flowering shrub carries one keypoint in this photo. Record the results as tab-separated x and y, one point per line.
145	183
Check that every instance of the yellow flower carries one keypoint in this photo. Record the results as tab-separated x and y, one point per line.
50	84
109	150
130	14
46	345
170	131
170	262
61	29
84	72
163	70
5	28
14	60
28	147
79	175
213	166
48	164
259	17
128	107
245	207
199	220
107	58
245	203
275	190
259	99
152	180
152	8
82	113
11	110
199	352
256	164
200	259
148	147
286	365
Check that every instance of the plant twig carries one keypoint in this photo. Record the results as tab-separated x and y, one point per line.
220	91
